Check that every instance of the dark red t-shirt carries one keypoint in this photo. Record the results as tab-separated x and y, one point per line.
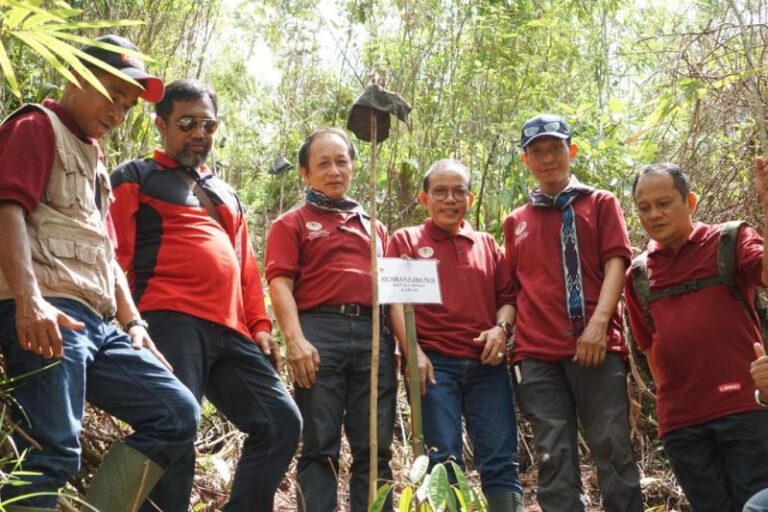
701	348
474	283
327	254
532	243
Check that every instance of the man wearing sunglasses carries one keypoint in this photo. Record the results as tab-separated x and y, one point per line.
462	343
568	249
183	240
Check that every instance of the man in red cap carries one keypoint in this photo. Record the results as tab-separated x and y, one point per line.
60	287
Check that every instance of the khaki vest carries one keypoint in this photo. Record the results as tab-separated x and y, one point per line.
72	255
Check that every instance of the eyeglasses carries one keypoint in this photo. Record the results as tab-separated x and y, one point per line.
552	126
187	124
441	194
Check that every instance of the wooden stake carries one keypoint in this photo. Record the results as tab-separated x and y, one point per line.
374	394
414	383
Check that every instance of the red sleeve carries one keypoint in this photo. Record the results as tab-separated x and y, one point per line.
27	151
749	255
282	254
253	295
396	246
123	213
510	257
641	331
612	231
505	292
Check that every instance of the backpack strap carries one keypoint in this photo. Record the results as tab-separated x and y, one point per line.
726	258
641	285
201	195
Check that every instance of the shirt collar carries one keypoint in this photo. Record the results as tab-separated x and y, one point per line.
437	234
696	237
68	121
167	162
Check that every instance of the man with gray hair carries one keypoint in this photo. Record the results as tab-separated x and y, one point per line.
690	298
462	343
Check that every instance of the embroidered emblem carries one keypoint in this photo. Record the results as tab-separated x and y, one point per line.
314	226
520	228
426	252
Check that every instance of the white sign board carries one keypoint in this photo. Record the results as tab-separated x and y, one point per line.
408	281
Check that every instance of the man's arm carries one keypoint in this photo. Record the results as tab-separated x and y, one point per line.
37	321
426	371
303	358
591	345
761	187
127	312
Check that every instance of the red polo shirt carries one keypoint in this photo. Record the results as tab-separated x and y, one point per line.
474	282
532	243
327	254
701	349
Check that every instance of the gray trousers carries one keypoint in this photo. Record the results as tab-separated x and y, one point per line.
552	397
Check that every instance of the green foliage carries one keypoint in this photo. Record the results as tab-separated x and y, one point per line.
50	33
431	491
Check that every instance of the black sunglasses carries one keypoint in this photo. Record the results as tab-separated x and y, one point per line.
187	124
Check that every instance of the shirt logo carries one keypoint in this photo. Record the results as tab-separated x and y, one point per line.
729	387
426	252
520	232
314	226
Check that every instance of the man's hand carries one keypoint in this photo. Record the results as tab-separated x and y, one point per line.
759	371
303	362
268	345
426	371
495	349
37	325
761	181
140	339
591	345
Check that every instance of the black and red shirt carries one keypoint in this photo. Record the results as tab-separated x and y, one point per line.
177	256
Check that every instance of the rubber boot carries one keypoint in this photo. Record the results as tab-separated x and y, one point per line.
123	480
21	508
507	502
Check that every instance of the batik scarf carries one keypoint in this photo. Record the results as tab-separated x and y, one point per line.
343	205
569	248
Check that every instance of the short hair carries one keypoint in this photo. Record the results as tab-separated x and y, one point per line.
440	164
185	90
680	179
307	144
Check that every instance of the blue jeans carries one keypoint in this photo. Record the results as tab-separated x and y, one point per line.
340	396
758	502
555	397
99	366
720	464
483	395
238	379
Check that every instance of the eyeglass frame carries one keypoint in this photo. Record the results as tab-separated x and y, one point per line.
449	191
548	127
205	122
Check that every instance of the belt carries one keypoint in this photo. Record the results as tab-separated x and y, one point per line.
343	309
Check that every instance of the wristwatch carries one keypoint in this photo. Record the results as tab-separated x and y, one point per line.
759	401
136	321
506	327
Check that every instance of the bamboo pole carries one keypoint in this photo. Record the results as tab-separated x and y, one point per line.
753	82
374	392
414	382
